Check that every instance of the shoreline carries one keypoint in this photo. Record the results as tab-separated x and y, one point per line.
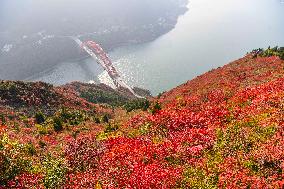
112	47
33	55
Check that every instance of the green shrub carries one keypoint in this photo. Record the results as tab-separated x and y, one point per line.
2	119
275	51
42	129
40	118
14	159
160	94
155	108
197	178
25	119
242	136
97	120
17	126
42	144
57	124
5	86
252	166
30	148
107	97
75	134
105	118
111	128
137	104
55	171
72	117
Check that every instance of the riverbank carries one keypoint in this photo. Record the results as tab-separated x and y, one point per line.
43	48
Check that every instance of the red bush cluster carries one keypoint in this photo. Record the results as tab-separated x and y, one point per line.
224	129
26	180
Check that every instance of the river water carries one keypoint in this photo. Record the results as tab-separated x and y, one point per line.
211	34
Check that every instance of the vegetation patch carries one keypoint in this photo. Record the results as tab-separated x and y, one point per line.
142	104
275	51
99	96
223	129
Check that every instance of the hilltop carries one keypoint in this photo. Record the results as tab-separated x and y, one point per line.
223	129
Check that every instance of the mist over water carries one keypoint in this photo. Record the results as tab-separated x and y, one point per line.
211	34
33	32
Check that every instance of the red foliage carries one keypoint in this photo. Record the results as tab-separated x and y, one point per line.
26	181
80	180
141	162
84	153
183	135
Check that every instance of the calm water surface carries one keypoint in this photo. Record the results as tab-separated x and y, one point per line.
211	34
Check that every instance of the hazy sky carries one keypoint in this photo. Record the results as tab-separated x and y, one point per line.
29	15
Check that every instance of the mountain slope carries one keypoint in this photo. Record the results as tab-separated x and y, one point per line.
223	129
242	73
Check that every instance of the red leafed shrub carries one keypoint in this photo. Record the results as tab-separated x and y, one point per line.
224	129
191	142
80	180
26	181
3	129
153	175
236	176
84	153
131	163
137	121
176	119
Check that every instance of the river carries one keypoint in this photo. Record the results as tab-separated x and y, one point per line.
211	34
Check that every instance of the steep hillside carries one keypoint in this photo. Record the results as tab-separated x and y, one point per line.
246	72
224	129
101	93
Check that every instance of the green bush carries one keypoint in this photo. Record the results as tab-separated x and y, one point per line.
57	124
72	117
30	148
14	159
42	129
105	118
40	118
42	144
55	171
155	107
99	96
275	51
111	128
4	86
197	178
242	136
3	119
160	95
97	120
143	104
